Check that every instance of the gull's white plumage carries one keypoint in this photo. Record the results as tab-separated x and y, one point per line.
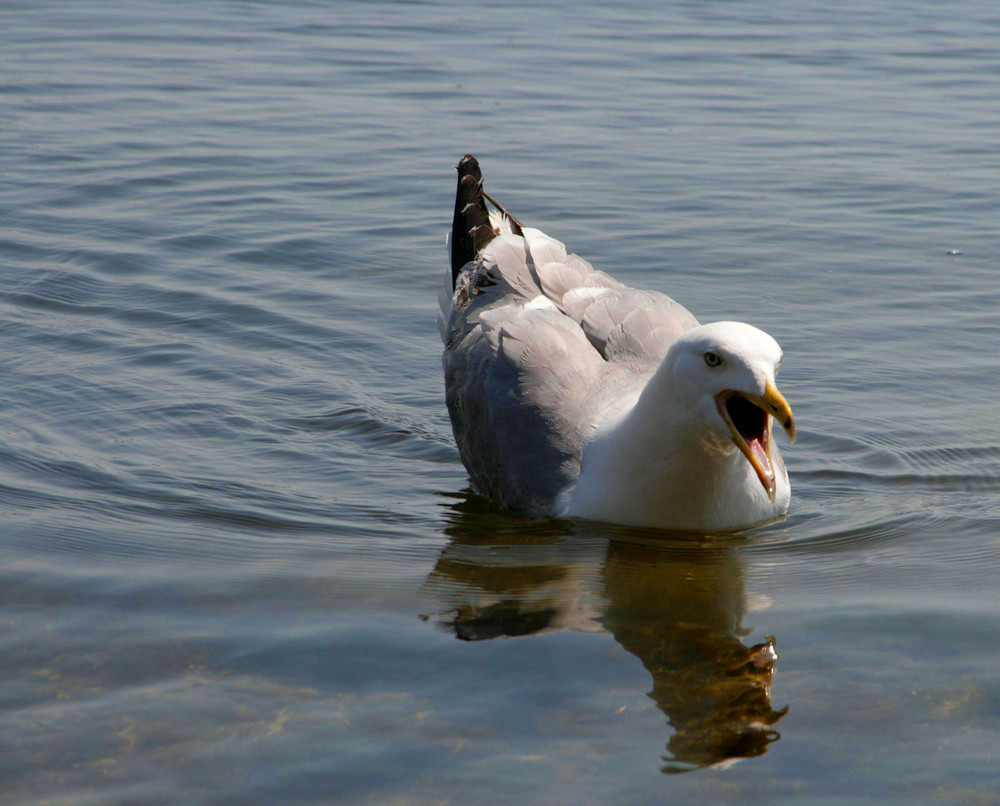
573	395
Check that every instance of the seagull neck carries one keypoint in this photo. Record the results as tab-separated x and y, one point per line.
646	429
645	466
658	426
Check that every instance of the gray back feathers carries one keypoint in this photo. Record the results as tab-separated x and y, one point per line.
533	342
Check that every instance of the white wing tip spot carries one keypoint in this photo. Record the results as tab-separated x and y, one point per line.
541	303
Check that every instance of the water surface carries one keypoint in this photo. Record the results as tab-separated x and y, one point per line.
241	563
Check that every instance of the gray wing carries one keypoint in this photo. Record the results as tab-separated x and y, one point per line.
533	337
519	377
621	322
536	343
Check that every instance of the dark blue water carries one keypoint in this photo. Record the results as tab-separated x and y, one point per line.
240	560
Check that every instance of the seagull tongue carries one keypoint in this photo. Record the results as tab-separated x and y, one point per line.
760	454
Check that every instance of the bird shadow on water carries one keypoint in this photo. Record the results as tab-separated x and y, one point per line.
675	601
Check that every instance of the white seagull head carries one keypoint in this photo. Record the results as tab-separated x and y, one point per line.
725	372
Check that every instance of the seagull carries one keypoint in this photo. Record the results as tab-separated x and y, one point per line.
572	395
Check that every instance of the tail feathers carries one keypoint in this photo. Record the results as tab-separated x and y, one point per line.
473	227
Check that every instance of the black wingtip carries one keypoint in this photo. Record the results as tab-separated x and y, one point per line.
469	166
470	228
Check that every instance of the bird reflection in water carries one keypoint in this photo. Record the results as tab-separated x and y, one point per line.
675	603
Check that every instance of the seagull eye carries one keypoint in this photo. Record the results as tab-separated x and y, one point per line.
713	359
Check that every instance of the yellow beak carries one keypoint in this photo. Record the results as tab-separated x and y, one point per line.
774	403
756	447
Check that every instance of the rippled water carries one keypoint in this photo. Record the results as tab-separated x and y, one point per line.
240	560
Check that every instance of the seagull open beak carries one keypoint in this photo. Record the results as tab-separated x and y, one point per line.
749	419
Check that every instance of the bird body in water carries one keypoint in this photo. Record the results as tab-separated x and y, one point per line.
572	395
